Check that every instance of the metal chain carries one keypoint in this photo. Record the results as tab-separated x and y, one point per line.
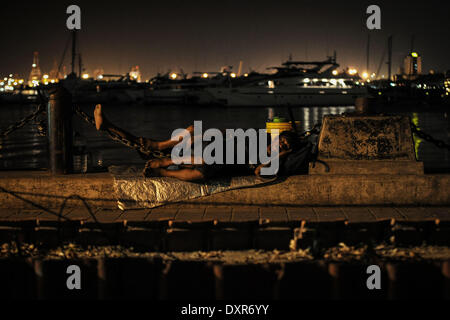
42	126
118	138
314	130
40	108
439	143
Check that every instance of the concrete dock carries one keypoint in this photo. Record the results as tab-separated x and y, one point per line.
41	208
23	189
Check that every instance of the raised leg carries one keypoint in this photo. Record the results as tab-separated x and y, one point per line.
103	124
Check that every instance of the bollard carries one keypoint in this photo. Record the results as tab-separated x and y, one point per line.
59	112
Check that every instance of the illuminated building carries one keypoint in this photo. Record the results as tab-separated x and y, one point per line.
412	66
35	74
135	74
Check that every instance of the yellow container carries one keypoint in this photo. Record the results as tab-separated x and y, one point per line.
281	126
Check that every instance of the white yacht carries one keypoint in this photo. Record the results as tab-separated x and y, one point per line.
295	83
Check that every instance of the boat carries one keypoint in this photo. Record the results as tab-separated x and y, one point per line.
26	96
295	83
123	90
178	88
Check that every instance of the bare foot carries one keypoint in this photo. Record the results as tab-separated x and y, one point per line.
100	119
190	129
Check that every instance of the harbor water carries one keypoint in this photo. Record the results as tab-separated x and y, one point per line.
25	149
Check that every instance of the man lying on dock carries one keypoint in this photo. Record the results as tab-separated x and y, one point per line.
291	156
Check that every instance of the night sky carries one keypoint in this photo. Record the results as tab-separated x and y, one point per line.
205	35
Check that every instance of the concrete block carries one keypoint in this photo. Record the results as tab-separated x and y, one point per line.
366	145
368	233
411	233
46	237
273	238
8	234
229	239
141	238
366	138
184	240
94	237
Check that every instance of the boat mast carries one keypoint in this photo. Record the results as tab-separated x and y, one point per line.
80	65
389	57
74	48
368	53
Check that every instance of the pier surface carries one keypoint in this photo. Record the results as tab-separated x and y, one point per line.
25	190
83	209
173	215
269	239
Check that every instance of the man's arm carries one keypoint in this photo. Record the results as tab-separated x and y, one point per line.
283	154
182	174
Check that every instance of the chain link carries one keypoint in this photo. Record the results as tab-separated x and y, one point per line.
439	143
118	138
40	108
158	154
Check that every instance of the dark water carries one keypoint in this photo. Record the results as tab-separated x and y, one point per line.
25	149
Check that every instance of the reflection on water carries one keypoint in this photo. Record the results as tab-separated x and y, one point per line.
25	149
417	141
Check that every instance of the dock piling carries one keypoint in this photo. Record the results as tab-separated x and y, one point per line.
60	135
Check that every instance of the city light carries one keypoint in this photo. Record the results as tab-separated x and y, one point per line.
365	75
173	76
352	71
233	75
205	75
335	72
85	76
414	54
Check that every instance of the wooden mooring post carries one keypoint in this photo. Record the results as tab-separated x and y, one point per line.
60	135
